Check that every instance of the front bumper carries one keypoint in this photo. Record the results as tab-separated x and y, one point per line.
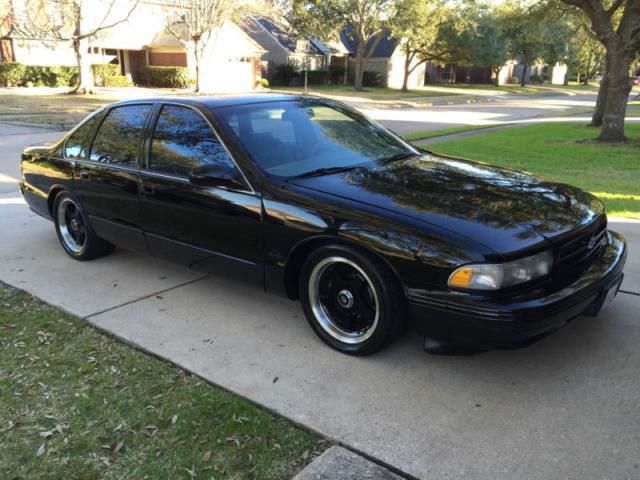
480	323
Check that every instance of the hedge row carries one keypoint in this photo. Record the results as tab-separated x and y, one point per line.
168	77
108	75
50	76
14	73
11	73
288	74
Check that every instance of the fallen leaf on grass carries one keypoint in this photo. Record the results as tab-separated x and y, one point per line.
207	456
192	471
41	450
120	426
116	447
234	440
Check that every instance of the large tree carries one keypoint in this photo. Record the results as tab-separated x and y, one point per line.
488	46
428	31
364	21
616	24
525	33
196	22
75	21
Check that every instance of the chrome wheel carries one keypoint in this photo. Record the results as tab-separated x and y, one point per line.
343	300
71	225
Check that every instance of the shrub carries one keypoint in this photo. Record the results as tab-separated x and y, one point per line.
536	79
372	79
336	73
11	73
108	75
169	77
42	76
286	72
263	82
317	77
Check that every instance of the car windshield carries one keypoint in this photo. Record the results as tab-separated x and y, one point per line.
302	137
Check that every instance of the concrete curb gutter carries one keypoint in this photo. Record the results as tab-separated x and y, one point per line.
338	463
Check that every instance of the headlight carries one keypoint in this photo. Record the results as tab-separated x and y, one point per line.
496	276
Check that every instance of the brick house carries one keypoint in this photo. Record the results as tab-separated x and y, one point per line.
231	63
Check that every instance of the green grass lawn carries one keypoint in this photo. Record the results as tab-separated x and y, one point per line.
77	404
441	132
564	152
370	93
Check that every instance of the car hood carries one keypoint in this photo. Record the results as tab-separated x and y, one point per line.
505	210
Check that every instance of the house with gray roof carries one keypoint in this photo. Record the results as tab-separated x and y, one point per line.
282	47
387	59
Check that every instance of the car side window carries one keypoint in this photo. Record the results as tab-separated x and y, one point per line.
77	144
183	140
116	142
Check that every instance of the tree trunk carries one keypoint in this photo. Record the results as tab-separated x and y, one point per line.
497	74
407	71
617	97
598	113
523	77
196	55
85	79
359	71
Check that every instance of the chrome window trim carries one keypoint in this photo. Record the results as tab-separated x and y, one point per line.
185	180
146	169
113	166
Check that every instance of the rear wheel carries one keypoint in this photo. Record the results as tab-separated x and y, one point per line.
351	300
74	232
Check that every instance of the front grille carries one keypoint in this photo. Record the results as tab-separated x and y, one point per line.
580	250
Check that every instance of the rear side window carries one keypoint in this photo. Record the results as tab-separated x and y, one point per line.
77	144
116	142
183	140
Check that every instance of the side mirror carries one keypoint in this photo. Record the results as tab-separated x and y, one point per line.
216	175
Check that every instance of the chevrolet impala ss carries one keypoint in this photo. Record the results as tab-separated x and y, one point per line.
309	198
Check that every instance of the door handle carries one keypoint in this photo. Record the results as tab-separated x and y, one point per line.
148	189
84	176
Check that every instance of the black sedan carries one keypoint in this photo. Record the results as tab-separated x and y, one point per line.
309	198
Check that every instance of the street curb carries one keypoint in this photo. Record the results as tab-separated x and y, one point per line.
40	126
338	463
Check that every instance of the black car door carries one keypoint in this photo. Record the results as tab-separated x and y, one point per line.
205	227
106	183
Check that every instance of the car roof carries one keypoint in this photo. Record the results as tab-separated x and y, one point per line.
220	101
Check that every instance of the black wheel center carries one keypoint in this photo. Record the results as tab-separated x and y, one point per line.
75	224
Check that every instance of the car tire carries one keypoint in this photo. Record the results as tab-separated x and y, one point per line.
74	231
351	299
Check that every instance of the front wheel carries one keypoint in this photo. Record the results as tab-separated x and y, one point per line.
74	232
351	300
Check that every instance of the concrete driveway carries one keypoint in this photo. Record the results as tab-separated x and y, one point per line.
566	407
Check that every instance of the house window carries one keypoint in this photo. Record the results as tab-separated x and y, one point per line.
111	51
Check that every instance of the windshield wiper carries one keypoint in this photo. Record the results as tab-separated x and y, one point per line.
398	156
318	172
